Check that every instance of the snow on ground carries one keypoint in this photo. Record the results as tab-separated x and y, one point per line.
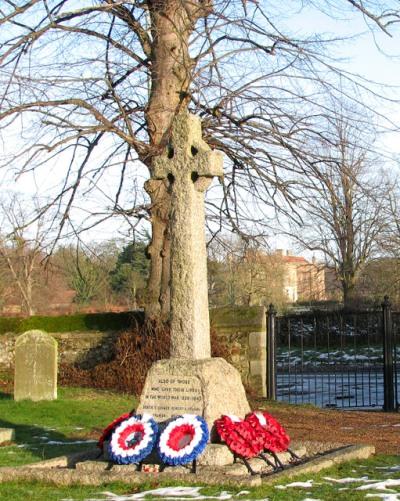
303	485
385	497
389	469
387	489
349	480
74	442
168	494
383	485
55	442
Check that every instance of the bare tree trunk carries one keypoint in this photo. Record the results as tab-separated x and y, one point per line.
23	280
157	301
349	294
172	21
349	281
27	298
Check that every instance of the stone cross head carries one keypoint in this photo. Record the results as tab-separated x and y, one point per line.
187	155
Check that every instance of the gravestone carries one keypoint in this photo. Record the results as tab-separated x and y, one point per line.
7	435
35	367
190	381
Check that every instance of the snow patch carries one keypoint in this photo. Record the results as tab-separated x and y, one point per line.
303	485
389	469
167	493
381	486
385	497
349	480
58	442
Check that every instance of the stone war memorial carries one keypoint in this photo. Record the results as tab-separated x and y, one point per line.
190	400
190	381
35	367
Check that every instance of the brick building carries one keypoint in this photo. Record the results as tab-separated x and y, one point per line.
303	280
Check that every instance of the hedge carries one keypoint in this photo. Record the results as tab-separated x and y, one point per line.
69	323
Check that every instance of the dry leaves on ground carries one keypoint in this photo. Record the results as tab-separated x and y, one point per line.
381	429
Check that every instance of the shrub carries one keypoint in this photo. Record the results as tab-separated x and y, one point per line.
135	352
69	323
136	349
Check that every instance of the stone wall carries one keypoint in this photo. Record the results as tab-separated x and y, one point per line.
85	349
242	329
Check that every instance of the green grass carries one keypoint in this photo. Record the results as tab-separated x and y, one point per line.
322	488
36	491
237	318
80	414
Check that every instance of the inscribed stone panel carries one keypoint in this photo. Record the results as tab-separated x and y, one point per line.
35	366
169	396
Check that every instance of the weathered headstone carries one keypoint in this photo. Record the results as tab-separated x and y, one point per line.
190	381
35	366
7	435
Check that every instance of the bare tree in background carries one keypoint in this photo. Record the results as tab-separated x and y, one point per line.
244	275
22	248
343	205
382	274
95	84
87	271
390	239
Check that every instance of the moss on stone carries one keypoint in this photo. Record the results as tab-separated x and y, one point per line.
70	323
238	318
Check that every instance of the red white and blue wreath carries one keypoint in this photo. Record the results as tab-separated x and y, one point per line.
108	430
183	439
133	439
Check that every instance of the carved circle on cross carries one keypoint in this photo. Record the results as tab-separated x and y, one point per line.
188	156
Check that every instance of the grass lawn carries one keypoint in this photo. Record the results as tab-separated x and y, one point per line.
48	429
339	483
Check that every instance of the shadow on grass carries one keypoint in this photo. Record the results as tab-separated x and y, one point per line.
45	443
5	396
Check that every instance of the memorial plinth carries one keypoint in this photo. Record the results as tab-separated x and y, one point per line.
190	382
208	388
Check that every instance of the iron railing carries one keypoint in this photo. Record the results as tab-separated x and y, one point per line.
334	359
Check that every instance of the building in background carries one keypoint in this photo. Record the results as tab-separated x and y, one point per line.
303	280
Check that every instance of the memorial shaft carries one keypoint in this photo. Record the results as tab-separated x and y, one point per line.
189	165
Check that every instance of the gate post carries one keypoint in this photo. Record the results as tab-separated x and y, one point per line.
387	334
271	353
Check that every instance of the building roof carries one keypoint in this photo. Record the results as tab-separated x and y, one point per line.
295	259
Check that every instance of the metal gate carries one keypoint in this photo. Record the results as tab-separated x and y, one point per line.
336	359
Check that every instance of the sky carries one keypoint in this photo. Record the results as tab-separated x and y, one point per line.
373	55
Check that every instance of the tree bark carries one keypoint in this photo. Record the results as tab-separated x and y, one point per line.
157	300
349	295
172	22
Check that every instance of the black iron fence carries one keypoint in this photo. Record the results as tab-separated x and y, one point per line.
337	359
